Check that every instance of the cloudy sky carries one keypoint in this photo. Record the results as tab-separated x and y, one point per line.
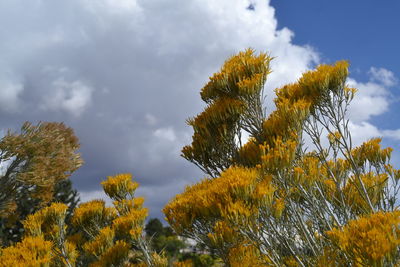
125	74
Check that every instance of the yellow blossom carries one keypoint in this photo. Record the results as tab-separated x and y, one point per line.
101	243
371	238
30	252
119	186
93	213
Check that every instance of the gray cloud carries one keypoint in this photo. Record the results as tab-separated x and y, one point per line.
126	75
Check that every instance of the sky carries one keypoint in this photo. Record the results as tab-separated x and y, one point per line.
126	74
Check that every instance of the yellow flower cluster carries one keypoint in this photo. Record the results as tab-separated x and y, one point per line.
314	85
334	138
252	85
223	111
131	222
242	74
31	252
234	195
374	184
279	156
309	170
48	225
278	207
124	206
395	173
119	186
115	255
246	255
122	225
250	153
371	151
230	95
90	215
295	101
223	235
339	167
370	240
46	221
103	241
286	120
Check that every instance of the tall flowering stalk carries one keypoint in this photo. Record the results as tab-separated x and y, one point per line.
272	201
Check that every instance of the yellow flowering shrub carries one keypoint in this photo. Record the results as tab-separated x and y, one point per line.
46	221
103	241
231	95
101	236
246	255
234	195
91	216
120	186
371	152
115	231
275	197
373	183
242	74
130	223
371	240
31	252
49	224
115	255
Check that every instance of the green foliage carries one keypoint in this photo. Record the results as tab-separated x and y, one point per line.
163	240
11	228
177	249
35	160
154	227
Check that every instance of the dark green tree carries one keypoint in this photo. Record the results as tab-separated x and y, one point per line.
163	239
154	228
11	228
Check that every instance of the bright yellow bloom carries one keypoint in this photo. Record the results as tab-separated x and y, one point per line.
93	213
124	206
119	186
278	156
101	243
235	194
278	207
30	252
114	255
46	220
131	221
246	255
371	151
242	74
373	184
369	239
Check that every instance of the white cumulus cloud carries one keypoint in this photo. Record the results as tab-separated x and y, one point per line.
382	75
9	95
371	99
72	97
